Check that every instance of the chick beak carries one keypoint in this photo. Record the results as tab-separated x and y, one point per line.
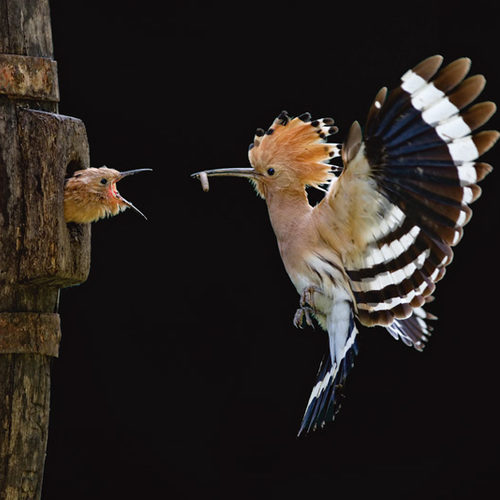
121	198
132	172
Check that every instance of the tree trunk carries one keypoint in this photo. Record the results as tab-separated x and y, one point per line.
39	252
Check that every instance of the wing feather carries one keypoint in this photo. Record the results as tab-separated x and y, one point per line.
406	188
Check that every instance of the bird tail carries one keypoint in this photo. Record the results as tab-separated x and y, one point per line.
325	400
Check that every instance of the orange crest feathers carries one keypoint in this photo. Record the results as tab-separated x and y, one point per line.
297	145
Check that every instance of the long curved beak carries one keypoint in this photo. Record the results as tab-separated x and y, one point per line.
135	209
245	172
126	174
132	172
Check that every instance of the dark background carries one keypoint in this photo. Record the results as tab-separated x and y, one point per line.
180	374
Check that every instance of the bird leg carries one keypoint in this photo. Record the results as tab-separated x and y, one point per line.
307	307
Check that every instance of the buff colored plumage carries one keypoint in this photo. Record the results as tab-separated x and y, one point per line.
374	248
91	194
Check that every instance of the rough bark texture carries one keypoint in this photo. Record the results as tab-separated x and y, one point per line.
39	252
32	77
26	28
24	414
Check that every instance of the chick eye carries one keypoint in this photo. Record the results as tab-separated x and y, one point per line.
104	181
270	171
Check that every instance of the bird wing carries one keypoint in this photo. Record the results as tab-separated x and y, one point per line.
413	331
402	198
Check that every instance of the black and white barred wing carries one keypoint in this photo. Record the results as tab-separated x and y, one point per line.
404	193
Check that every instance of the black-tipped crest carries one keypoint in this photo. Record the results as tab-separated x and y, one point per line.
297	148
283	118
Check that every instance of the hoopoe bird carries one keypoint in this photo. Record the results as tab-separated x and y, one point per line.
91	194
372	251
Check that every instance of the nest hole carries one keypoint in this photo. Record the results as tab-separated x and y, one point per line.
72	167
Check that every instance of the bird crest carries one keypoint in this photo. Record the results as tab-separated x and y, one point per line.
297	145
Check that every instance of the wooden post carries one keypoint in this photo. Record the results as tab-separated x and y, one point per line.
39	252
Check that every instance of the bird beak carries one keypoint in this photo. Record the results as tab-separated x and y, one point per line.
126	174
132	172
247	173
135	209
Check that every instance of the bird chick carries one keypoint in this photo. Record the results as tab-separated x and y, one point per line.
91	194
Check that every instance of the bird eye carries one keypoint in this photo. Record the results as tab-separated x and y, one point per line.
270	171
104	181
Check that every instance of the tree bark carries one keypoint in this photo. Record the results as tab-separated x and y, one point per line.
39	252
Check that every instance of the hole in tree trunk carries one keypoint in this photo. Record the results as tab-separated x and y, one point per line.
76	230
72	167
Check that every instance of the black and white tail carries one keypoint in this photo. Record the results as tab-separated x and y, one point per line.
325	399
327	394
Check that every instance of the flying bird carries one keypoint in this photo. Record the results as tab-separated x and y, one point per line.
372	251
91	194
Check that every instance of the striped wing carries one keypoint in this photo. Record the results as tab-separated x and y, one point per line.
413	331
406	188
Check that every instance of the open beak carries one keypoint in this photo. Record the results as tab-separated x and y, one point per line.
247	173
126	174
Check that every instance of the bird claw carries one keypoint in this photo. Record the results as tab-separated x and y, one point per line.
307	307
301	314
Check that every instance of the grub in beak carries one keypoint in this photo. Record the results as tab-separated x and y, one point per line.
247	173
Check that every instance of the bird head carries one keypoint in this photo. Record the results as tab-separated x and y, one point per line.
91	194
290	155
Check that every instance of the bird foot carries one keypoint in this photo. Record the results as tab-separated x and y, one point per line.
301	314
306	308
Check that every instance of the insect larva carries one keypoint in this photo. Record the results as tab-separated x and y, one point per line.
204	181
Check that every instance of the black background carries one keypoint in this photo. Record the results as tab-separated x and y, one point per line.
180	373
